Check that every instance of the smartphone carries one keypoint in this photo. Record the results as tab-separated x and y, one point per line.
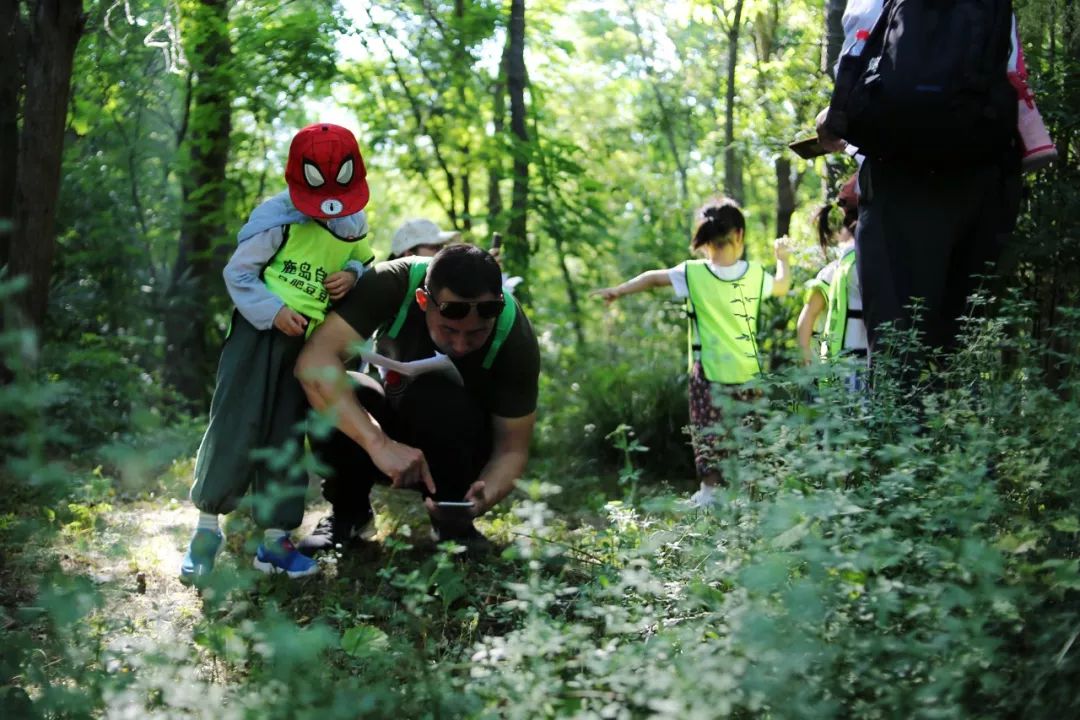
808	148
454	504
496	240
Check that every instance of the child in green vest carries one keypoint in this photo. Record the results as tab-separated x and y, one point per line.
835	292
298	252
723	294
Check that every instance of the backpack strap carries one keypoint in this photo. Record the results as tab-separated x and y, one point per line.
270	260
502	329
417	271
691	314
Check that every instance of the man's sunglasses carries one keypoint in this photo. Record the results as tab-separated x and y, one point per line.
457	309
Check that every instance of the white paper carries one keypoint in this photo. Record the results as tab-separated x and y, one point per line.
437	363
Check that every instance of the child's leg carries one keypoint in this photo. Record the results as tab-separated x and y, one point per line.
279	482
223	466
279	478
704	418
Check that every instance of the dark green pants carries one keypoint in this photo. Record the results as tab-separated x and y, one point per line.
259	406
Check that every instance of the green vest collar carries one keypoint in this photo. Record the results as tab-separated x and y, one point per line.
417	273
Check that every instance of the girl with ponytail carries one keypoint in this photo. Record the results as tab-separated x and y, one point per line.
835	291
723	296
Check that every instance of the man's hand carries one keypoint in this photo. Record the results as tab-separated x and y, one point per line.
405	466
453	521
290	322
475	495
828	141
338	284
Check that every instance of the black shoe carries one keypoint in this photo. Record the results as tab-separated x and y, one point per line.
338	530
464	534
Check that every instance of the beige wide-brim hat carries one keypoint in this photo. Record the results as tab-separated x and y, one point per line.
419	232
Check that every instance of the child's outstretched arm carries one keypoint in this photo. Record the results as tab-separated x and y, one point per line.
815	305
782	281
645	281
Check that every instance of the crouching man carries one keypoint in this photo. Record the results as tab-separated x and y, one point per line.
461	445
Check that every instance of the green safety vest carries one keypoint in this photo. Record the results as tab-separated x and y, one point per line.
308	254
417	273
724	322
832	342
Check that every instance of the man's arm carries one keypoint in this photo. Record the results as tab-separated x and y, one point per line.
509	455
859	19
321	370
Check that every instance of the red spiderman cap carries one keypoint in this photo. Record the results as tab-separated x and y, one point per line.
325	173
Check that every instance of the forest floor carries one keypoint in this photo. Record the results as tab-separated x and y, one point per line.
131	547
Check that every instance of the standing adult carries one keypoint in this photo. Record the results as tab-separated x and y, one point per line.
930	225
458	443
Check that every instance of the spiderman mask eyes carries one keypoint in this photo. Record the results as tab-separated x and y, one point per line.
345	174
314	177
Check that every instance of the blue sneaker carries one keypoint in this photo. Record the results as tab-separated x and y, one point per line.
199	558
281	556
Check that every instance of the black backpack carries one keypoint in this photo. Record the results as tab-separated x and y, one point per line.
930	85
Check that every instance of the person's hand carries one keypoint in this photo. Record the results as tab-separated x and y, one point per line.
475	495
828	141
452	522
290	322
405	466
782	248
608	294
338	284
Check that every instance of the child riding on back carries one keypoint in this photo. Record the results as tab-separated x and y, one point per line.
297	253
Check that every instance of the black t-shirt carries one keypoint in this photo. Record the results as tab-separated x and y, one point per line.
508	389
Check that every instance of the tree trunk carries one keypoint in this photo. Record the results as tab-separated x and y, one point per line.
495	165
834	41
54	30
202	225
571	291
423	129
834	33
785	195
10	84
666	114
517	242
495	170
462	69
733	186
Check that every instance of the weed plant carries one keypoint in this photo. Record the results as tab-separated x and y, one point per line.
911	551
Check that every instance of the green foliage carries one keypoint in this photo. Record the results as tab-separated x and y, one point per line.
907	555
630	373
903	554
100	392
622	437
857	565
